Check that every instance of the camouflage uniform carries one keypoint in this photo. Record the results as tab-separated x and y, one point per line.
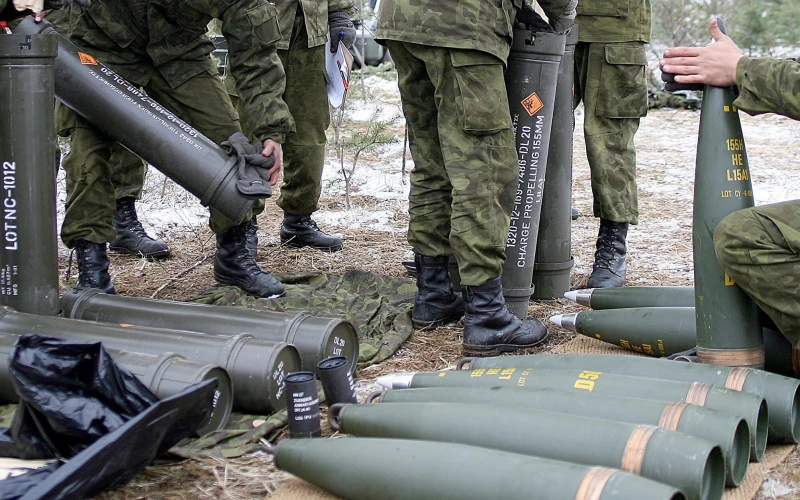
610	79
450	57
304	30
759	247
160	46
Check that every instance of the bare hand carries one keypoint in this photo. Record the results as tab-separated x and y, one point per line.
273	148
714	64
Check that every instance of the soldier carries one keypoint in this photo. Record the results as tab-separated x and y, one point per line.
450	57
758	247
160	46
610	79
305	25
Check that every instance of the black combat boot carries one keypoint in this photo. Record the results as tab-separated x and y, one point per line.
609	266
131	237
301	231
252	237
233	265
490	328
435	303
93	266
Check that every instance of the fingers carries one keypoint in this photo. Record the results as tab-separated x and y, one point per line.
683	51
716	33
272	148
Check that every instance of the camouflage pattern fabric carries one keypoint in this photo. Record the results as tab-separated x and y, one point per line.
614	20
481	25
768	85
144	39
759	248
315	19
378	306
465	164
91	204
610	79
127	172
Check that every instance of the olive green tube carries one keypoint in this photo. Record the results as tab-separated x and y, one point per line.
752	408
28	238
531	76
634	296
728	432
256	367
168	374
781	393
694	466
316	337
399	469
554	261
657	331
728	326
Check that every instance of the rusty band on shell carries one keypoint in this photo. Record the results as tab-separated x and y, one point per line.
698	393
671	415
633	456
736	378
593	483
796	361
732	357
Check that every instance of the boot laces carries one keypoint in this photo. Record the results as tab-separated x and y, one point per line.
606	256
134	225
243	258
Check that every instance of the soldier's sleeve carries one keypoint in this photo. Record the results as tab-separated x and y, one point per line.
337	5
251	30
555	9
769	85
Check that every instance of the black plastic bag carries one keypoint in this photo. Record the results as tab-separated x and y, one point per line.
71	394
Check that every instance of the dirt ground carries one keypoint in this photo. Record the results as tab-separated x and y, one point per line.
659	254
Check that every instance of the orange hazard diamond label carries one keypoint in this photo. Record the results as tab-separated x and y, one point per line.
532	104
87	59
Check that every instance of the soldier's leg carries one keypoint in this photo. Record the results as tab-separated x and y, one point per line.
90	204
127	175
477	147
435	302
759	248
614	88
304	150
203	103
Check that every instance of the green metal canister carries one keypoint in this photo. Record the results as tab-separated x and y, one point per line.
28	239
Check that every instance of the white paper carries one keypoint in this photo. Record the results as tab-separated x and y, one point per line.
338	74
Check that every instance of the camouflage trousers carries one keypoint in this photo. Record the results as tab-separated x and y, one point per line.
759	248
610	79
465	164
306	96
90	164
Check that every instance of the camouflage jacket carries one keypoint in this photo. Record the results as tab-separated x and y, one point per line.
137	37
768	85
484	25
614	20
316	18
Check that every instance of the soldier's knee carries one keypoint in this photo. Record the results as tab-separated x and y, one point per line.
729	234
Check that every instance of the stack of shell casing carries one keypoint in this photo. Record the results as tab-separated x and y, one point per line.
664	421
658	321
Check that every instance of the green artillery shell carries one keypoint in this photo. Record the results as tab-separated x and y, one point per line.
124	113
752	408
28	240
634	296
553	249
729	432
693	465
316	337
256	367
728	328
781	393
398	469
531	77
657	331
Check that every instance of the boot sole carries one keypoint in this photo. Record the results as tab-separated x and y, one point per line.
224	281
291	244
493	350
432	325
126	251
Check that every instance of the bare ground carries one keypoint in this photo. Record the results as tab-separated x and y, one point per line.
660	254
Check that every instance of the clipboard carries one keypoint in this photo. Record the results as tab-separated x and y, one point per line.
338	66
